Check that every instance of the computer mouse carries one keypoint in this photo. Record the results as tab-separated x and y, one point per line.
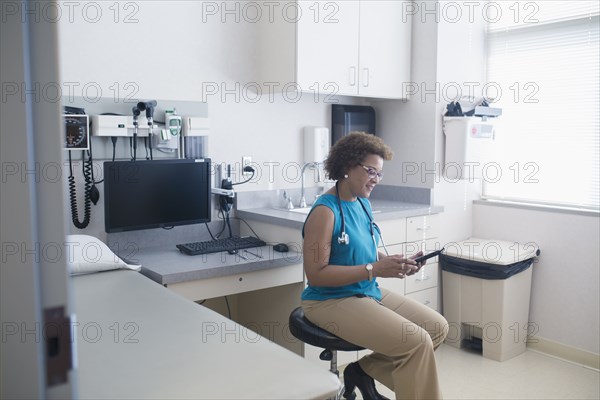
232	251
281	247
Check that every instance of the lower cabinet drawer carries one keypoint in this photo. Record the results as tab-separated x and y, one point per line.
422	227
244	282
429	297
426	278
392	231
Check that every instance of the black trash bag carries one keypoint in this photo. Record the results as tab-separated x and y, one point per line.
482	270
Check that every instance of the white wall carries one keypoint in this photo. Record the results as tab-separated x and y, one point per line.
445	55
170	53
408	126
184	52
565	303
460	61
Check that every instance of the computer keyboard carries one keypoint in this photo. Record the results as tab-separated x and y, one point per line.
218	245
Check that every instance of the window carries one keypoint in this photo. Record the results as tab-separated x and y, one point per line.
543	62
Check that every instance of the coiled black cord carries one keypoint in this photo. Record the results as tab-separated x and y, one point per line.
87	172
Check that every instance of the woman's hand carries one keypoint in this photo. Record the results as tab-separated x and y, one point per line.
419	265
395	266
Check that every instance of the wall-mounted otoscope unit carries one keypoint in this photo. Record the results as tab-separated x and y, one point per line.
182	134
136	113
149	107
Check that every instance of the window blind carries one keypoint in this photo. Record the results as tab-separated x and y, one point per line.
543	64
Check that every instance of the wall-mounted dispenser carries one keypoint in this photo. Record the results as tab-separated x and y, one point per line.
316	144
469	146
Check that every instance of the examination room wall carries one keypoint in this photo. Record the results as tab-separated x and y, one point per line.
565	306
169	53
178	51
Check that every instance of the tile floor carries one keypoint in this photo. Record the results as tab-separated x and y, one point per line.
531	375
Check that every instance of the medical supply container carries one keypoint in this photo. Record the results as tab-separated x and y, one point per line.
469	147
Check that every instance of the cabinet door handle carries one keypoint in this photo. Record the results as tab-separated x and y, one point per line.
365	77
352	76
426	278
424	229
427	302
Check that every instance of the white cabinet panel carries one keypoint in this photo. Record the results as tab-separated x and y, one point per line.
422	227
385	41
393	231
327	46
239	283
426	278
421	234
429	297
343	47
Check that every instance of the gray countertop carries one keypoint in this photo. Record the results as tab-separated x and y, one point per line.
167	265
382	210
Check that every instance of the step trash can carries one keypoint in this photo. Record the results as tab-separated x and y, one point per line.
486	287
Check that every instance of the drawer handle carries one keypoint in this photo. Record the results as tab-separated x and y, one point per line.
427	302
424	229
424	279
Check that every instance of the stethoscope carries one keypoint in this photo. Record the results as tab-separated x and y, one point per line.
344	238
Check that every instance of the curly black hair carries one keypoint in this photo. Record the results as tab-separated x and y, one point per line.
351	150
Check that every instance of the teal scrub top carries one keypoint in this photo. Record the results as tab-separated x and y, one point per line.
361	249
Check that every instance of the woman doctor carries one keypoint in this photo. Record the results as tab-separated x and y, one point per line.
342	265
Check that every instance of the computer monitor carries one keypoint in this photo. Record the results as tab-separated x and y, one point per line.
351	118
156	194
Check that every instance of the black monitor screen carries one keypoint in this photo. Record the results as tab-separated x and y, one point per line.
350	118
156	194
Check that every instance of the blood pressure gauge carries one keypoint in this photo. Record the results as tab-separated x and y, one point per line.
77	136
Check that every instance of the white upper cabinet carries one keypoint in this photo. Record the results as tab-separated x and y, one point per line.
327	46
384	48
343	47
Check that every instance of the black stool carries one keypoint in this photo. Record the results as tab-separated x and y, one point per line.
310	333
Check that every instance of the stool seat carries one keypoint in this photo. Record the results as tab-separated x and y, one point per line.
310	333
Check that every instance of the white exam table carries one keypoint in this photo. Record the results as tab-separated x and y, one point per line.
137	339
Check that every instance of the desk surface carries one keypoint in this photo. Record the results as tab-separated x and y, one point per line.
167	265
137	339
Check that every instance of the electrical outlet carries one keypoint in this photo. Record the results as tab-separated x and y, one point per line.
246	161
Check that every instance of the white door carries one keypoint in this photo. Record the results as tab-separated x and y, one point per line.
33	276
327	47
385	36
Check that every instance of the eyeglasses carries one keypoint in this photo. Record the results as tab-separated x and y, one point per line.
372	172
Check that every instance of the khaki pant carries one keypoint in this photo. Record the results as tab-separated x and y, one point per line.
402	333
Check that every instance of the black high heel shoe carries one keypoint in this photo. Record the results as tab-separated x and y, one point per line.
354	376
